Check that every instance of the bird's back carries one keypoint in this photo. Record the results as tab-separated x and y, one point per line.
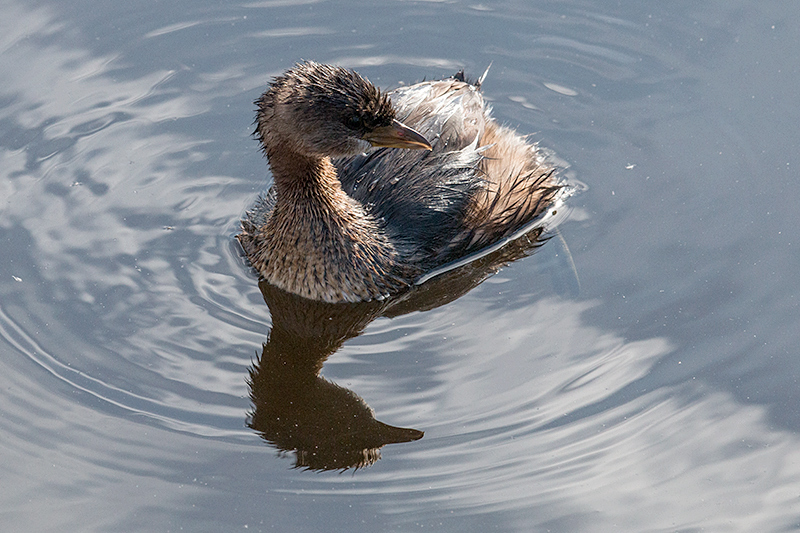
479	184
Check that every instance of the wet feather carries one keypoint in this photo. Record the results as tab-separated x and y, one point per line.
362	225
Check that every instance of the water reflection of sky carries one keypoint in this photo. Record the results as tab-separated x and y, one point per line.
664	398
573	431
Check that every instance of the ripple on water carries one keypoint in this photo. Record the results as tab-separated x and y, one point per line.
128	322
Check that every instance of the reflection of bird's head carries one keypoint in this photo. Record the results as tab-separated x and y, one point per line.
322	110
327	426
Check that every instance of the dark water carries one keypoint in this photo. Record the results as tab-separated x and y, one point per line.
663	396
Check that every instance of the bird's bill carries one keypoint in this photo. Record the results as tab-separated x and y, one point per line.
398	135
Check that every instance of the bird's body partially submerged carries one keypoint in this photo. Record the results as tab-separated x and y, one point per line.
342	224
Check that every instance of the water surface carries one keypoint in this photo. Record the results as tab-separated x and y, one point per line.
660	396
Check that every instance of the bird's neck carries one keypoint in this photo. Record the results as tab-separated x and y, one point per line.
300	179
321	243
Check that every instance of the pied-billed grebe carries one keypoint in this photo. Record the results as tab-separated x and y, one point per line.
343	223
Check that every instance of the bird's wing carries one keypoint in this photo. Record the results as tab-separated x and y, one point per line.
422	195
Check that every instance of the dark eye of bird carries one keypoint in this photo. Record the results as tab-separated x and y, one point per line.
354	122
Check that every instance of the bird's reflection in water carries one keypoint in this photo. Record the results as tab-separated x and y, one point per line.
326	426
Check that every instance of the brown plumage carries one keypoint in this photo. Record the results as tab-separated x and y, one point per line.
344	222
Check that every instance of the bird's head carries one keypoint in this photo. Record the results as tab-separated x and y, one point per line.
322	110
